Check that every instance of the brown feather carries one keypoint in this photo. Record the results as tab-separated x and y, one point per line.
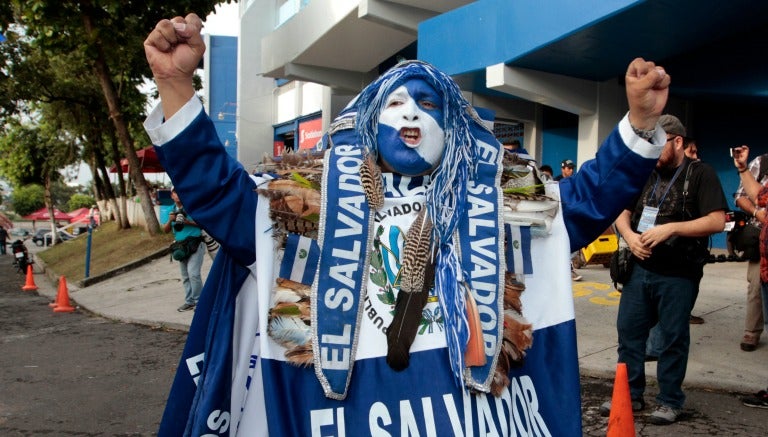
300	355
518	330
298	287
517	337
417	253
405	323
370	178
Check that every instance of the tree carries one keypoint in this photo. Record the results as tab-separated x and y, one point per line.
34	153
109	35
28	199
80	201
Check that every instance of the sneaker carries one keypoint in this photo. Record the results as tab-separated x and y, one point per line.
664	415
185	307
749	342
758	400
637	405
575	276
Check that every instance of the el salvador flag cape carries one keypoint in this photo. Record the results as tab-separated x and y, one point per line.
233	380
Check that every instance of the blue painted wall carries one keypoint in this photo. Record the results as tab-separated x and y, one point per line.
502	30
223	88
559	138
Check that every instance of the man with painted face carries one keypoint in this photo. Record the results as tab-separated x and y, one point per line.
410	135
414	273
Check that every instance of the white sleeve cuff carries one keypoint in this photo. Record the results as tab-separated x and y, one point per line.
161	131
646	149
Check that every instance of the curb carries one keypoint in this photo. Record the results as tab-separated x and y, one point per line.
53	277
122	269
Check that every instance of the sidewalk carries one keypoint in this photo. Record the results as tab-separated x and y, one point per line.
148	294
151	293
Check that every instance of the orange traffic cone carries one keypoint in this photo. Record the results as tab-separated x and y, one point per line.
621	422
30	285
62	298
55	302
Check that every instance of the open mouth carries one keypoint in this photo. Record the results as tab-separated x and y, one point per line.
411	136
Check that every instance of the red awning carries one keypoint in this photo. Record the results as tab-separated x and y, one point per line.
42	214
82	215
147	159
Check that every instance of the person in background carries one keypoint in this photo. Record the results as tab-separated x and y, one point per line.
667	229
672	126
5	222
185	229
566	169
692	152
757	193
513	146
755	318
547	170
691	149
3	238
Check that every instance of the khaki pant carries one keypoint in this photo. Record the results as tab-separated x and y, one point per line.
754	321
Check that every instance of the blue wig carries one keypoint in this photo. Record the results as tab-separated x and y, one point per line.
446	195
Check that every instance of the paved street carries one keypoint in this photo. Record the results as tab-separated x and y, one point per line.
75	374
718	373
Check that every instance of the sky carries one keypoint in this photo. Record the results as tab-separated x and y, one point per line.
224	21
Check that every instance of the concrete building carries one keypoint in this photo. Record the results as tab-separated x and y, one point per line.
552	70
220	78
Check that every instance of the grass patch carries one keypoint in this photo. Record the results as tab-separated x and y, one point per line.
110	248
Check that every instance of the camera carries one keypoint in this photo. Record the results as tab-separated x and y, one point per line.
178	224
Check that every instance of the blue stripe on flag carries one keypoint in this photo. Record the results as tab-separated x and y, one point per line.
518	249
300	259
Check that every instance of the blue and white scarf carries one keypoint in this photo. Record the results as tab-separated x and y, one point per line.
470	162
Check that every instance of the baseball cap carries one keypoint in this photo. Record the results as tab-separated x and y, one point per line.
672	125
567	163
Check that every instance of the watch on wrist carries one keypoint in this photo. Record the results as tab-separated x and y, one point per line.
645	134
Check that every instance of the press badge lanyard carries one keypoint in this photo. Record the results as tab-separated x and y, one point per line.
649	214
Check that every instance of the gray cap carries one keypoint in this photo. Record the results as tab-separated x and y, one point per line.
672	125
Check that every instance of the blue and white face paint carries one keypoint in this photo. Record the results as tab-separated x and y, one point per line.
411	136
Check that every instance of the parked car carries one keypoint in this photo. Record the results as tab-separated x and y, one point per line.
43	237
20	232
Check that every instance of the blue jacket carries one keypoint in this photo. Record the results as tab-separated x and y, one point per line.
220	194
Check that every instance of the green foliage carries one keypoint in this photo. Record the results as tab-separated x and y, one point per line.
60	195
48	73
28	199
80	201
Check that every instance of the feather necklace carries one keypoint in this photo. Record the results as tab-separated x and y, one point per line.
416	278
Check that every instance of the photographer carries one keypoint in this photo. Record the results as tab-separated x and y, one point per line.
748	243
666	229
757	193
187	251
